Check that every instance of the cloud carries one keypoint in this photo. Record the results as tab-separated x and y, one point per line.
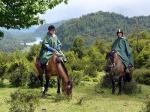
77	8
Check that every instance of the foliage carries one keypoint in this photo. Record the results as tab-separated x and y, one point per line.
33	52
32	81
99	25
106	82
90	70
76	76
24	101
78	47
140	48
22	14
18	74
142	76
147	102
3	66
132	88
53	82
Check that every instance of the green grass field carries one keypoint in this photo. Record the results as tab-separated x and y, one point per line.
84	99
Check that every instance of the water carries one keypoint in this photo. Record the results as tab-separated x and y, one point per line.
38	41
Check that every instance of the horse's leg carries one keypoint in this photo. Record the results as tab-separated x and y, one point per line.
46	84
120	85
124	82
113	85
58	82
128	77
40	77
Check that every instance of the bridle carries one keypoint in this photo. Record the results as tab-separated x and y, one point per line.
111	58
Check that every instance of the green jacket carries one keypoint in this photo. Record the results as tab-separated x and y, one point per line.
123	49
50	45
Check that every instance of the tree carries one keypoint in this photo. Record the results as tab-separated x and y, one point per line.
18	14
78	47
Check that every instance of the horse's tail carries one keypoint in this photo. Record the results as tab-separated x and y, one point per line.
37	66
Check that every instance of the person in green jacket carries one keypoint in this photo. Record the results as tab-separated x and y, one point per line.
50	45
122	47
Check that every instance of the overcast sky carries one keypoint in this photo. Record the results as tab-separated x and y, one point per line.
77	8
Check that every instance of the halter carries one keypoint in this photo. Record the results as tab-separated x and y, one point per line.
111	57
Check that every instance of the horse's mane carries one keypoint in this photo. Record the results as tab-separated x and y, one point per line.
63	65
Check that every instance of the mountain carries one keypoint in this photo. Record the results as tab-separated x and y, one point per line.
96	25
90	27
100	24
42	30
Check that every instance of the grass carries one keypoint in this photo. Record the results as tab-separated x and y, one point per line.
84	99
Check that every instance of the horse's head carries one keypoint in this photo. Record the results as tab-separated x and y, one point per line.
110	61
67	89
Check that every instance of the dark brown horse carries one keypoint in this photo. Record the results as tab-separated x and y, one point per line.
55	67
116	69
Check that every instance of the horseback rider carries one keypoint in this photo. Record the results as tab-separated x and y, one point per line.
50	45
121	46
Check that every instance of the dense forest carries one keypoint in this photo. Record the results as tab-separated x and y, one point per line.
100	25
89	27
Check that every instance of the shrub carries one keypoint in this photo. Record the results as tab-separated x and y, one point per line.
91	70
86	78
142	76
147	103
33	81
132	88
20	72
95	79
53	82
106	81
76	77
33	52
23	101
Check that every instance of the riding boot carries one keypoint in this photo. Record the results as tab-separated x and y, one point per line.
129	68
44	68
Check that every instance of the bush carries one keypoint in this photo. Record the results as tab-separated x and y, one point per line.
106	81
23	101
33	81
91	70
76	77
132	88
147	103
53	82
142	76
33	52
3	66
86	78
18	74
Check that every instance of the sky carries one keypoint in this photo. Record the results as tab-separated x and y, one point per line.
77	8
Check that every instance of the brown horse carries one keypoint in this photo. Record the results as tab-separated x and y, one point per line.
55	67
116	69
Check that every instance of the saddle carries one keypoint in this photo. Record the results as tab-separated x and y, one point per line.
111	56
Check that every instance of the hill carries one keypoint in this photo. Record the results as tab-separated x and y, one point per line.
90	27
100	24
